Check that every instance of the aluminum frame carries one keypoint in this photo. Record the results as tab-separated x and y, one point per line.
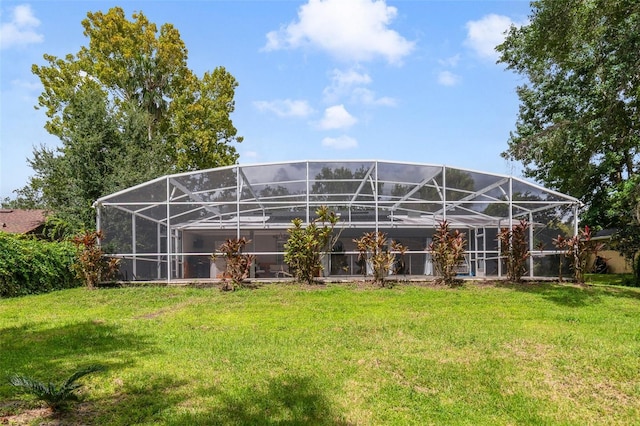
368	195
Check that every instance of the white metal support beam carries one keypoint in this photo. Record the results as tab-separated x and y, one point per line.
365	179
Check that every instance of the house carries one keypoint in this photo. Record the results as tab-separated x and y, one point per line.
18	221
616	263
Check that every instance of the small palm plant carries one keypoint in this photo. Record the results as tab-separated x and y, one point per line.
56	397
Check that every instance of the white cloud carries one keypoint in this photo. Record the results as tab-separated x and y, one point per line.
285	107
368	97
451	61
355	30
21	29
342	83
26	90
447	78
349	84
350	77
341	142
336	117
486	33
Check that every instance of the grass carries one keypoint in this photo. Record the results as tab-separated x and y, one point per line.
332	355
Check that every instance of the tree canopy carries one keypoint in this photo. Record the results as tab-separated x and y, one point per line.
126	109
578	128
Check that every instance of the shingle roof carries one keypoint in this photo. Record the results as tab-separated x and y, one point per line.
605	234
16	221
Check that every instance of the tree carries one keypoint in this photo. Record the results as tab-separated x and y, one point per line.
201	122
126	109
69	179
578	129
626	240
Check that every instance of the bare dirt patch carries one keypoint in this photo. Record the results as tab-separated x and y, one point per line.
19	413
164	311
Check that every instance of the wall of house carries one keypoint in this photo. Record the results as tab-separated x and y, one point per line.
616	263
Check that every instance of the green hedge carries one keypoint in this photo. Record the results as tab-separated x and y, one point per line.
31	266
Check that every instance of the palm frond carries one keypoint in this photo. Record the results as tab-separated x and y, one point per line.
32	386
55	397
81	373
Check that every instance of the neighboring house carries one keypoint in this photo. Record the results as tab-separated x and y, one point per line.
17	221
616	263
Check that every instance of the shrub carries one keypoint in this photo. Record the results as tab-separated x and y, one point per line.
57	229
447	250
306	245
579	248
91	265
561	244
373	250
238	264
56	397
514	249
31	266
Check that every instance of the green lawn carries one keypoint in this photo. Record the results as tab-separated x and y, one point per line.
334	355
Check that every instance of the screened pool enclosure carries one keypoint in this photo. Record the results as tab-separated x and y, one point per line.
168	228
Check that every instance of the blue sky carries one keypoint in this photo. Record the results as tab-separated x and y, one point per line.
318	79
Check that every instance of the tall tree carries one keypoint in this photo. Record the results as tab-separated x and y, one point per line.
69	179
201	122
578	128
127	109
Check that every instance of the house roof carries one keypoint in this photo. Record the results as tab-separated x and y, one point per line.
604	234
17	221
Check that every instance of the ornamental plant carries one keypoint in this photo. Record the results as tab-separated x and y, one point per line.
57	397
514	249
238	264
579	248
447	250
91	265
400	266
372	248
560	244
306	245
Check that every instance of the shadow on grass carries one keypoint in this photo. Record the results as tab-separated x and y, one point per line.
142	401
621	292
564	294
132	403
46	353
288	400
573	295
285	400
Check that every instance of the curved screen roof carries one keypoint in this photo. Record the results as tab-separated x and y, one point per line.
362	191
